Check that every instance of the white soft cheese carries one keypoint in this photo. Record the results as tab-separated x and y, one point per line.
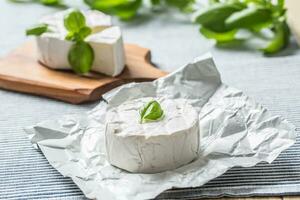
106	41
156	146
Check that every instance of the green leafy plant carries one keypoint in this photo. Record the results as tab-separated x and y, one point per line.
127	9
55	3
124	9
151	112
223	19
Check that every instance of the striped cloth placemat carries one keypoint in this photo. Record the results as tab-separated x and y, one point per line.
26	174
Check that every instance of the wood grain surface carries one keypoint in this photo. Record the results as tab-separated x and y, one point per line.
20	71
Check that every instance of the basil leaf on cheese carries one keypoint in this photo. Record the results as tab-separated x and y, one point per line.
74	21
37	30
81	57
80	35
84	32
81	54
70	36
152	111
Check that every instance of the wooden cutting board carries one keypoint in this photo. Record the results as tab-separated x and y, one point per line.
20	71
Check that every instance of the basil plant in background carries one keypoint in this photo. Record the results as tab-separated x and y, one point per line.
81	54
220	20
127	9
57	3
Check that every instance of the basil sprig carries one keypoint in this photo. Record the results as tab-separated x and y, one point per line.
54	3
37	30
81	54
151	112
81	57
222	20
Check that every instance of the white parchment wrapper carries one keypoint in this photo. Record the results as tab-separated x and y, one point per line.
235	131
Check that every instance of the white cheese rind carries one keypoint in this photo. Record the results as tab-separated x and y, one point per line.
152	147
109	51
106	42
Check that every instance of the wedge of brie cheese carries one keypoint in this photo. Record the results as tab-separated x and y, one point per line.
155	146
106	41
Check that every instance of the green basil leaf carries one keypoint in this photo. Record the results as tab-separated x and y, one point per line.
21	1
79	36
106	4
213	1
74	21
249	18
278	9
256	28
218	27
53	3
217	13
219	37
124	9
37	30
280	4
84	32
185	6
50	2
81	57
155	2
152	111
280	40
70	36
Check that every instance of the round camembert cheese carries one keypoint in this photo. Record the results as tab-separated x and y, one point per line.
105	40
154	146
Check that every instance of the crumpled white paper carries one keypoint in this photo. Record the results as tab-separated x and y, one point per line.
235	131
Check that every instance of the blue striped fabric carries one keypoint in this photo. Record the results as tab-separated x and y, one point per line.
284	173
